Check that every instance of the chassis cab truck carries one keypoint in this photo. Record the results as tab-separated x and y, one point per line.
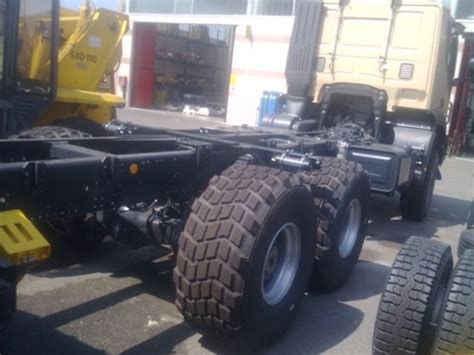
252	217
388	67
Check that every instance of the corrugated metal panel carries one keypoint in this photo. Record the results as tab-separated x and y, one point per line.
204	7
274	7
220	7
300	65
152	6
183	6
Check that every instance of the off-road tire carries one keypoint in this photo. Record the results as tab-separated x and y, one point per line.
415	201
456	332
413	296
334	186
223	247
50	132
83	125
466	241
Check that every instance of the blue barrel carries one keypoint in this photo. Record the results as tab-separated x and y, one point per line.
269	105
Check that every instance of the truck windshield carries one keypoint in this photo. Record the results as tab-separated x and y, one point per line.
34	46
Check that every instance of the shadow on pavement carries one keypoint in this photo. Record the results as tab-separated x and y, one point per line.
164	343
387	225
110	257
30	334
323	320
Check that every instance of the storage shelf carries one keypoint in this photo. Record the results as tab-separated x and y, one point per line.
183	62
194	41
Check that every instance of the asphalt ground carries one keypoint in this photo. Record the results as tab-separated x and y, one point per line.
116	300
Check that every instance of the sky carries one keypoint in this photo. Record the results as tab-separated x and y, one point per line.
75	4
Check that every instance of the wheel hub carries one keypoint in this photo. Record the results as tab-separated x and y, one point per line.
281	263
271	264
351	228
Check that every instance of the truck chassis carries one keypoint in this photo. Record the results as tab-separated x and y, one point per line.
167	187
53	178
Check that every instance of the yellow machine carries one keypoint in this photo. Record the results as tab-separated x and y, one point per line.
53	63
89	52
21	242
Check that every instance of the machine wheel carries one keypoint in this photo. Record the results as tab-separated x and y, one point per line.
246	253
416	200
341	192
50	132
466	241
83	125
410	305
456	332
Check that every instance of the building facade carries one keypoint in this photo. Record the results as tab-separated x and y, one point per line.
214	55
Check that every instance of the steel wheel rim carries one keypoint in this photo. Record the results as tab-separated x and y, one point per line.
281	263
351	228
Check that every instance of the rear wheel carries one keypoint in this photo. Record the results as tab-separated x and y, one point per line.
246	253
410	305
82	124
456	332
50	132
416	200
341	192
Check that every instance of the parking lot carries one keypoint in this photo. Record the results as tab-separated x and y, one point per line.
116	300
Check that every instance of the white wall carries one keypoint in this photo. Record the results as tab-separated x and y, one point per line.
125	67
258	64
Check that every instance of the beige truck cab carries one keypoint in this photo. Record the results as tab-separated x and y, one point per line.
407	50
376	76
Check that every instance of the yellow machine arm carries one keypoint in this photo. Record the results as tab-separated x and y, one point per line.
90	49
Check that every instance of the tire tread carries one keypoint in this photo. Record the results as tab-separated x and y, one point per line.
466	241
328	185
402	315
52	132
456	332
217	243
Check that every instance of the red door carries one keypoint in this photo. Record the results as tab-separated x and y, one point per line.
144	65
